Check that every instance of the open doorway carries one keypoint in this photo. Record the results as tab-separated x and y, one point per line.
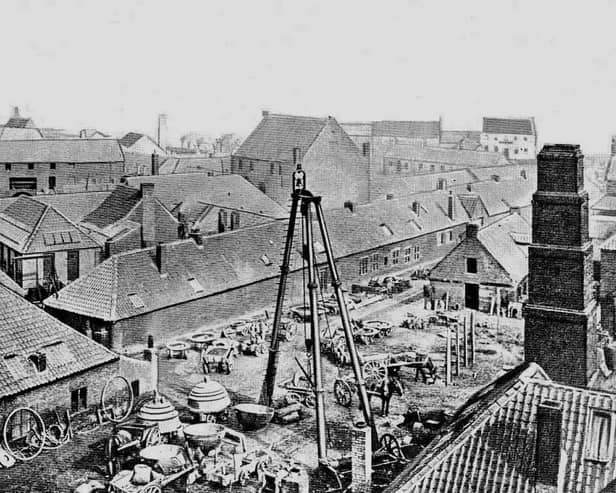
471	296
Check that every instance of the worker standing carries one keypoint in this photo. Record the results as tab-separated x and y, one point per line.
426	296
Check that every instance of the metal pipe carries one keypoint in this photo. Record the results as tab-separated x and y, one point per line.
314	329
345	319
269	383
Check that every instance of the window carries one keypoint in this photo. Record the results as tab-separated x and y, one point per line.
235	220
485	148
515	151
599	436
442	167
271	168
395	256
134	385
72	265
407	255
136	300
471	265
386	230
398	166
280	169
363	266
374	262
525	138
52	182
416	252
495	148
266	260
251	166
7	166
79	399
420	166
451	236
240	164
39	360
365	148
30	165
195	285
52	165
431	167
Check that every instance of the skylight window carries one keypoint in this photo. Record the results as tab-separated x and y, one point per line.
61	238
318	247
136	300
386	230
600	436
266	260
196	285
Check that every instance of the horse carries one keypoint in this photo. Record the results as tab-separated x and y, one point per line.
389	386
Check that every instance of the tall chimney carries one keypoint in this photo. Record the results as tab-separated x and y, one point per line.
155	164
83	134
148	218
15	112
547	446
265	113
613	147
451	206
162	131
161	258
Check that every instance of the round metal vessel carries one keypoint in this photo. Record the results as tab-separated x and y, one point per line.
161	412
206	436
208	397
253	416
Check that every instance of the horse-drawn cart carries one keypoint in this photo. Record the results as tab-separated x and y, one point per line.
217	357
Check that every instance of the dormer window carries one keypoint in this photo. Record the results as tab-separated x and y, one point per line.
266	260
195	285
386	230
599	436
136	300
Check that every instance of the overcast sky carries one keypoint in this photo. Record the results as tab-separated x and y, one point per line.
214	65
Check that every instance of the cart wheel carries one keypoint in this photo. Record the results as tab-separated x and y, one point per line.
151	436
30	445
152	488
390	444
374	373
209	418
309	400
293	398
343	393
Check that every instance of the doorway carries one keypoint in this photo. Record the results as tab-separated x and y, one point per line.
471	296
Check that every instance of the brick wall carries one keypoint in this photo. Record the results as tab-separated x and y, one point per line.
69	177
58	394
361	459
560	220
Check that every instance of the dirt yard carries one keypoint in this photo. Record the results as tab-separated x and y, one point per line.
498	347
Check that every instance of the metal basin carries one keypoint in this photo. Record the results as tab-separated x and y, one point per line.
253	416
156	453
206	436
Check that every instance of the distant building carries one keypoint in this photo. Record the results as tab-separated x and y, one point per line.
19	128
467	140
514	138
211	166
92	133
131	218
41	249
140	144
561	316
522	433
212	204
490	264
335	168
44	165
178	287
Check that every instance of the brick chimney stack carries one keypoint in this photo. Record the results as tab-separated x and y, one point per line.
361	458
148	218
561	314
155	164
162	132
471	230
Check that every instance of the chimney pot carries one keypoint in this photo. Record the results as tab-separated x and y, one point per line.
265	113
471	230
15	111
155	164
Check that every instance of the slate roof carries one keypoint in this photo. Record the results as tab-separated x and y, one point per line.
457	136
490	444
522	126
116	206
276	136
30	226
407	129
130	138
27	329
227	191
233	259
605	203
18	122
400	185
499	197
196	164
60	151
8	282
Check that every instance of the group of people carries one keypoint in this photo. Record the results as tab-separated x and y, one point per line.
431	301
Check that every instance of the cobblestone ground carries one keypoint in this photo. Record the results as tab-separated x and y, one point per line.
498	347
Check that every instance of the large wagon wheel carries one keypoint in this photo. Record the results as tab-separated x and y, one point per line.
390	444
117	395
151	488
309	400
151	437
374	373
343	393
29	445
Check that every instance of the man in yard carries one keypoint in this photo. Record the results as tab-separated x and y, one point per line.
426	296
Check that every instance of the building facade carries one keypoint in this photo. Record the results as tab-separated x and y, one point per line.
514	138
56	165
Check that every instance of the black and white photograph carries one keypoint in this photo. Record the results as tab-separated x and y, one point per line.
323	246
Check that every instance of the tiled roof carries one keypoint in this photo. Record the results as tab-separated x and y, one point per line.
605	203
357	129
18	122
233	259
228	191
457	136
407	129
116	206
506	240
438	155
525	126
196	164
11	285
26	330
60	151
511	171
130	138
490	444
400	185
30	226
276	136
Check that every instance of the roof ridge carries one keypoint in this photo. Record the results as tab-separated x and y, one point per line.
113	307
36	226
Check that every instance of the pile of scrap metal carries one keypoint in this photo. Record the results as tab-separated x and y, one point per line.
298	399
389	285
